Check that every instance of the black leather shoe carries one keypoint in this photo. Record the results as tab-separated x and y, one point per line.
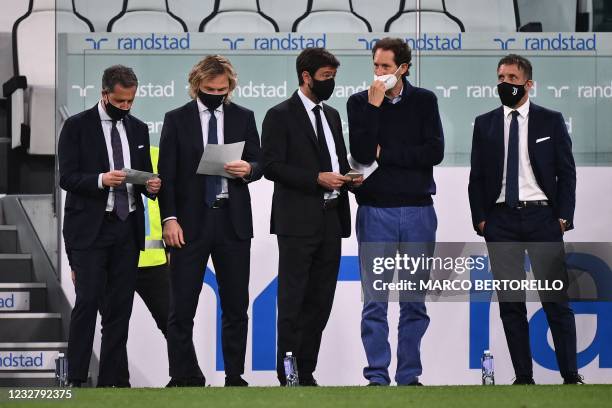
187	382
523	381
374	384
574	379
308	382
74	384
235	381
415	383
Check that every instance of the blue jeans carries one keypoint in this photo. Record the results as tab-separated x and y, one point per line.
394	226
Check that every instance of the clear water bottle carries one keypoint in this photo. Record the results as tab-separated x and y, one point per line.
488	372
61	370
291	370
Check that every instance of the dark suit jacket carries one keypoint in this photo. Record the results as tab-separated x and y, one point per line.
291	161
82	156
183	194
551	159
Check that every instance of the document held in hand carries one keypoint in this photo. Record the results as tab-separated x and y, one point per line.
365	169
215	156
137	176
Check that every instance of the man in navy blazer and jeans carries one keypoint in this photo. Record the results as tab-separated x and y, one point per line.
397	125
522	194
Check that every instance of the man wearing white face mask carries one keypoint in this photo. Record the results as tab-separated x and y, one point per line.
398	126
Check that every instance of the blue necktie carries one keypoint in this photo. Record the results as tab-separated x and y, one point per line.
121	207
213	183
512	165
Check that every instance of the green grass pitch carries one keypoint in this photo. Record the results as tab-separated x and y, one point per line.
556	396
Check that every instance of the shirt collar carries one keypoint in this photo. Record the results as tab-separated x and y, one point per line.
203	108
523	110
308	104
397	98
102	112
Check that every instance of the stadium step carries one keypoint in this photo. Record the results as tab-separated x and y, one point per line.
23	297
25	327
15	268
28	379
8	239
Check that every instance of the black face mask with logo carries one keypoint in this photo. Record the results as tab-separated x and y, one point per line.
211	101
323	90
510	94
114	112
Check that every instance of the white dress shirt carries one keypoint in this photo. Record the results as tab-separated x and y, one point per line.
204	119
529	190
329	137
107	125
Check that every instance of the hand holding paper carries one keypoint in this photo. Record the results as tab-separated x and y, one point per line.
215	157
138	177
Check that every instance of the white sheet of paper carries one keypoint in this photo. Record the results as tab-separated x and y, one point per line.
365	169
137	176
215	156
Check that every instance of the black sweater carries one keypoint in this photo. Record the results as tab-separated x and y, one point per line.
412	142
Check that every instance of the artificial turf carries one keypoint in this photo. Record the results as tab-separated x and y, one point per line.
557	396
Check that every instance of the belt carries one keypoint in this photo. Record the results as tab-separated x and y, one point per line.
220	203
112	215
330	204
524	204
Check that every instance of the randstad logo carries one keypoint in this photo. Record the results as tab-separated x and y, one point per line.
426	42
17	360
543	354
148	42
557	42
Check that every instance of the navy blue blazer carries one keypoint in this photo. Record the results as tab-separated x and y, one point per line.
183	191
551	159
82	156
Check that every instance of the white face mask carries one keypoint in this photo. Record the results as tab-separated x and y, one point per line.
389	80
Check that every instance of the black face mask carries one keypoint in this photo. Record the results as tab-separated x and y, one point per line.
211	101
114	112
510	94
323	89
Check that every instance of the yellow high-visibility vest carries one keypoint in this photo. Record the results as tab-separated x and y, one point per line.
154	253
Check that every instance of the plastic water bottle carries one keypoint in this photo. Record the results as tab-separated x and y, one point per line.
291	370
488	372
61	370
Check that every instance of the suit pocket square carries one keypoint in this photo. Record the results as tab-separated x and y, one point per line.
140	146
542	139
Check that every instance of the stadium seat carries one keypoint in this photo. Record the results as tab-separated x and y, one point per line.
141	15
32	88
237	16
555	15
331	16
11	13
431	16
484	15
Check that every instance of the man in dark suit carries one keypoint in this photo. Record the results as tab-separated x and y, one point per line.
522	193
208	216
104	222
305	156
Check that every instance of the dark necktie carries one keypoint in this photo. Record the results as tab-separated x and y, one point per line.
512	165
324	156
213	183
121	207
